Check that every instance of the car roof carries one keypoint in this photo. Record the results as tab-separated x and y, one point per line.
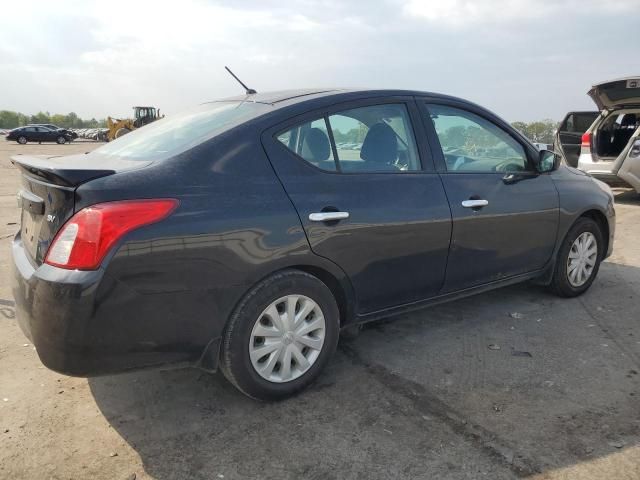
291	97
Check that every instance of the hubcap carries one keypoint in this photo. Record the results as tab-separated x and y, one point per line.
582	259
287	338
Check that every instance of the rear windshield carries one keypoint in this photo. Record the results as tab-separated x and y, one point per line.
177	133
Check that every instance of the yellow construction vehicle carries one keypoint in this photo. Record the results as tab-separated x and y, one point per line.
143	115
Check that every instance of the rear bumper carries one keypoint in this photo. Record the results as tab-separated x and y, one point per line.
84	323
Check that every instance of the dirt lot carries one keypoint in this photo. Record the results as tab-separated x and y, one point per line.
422	397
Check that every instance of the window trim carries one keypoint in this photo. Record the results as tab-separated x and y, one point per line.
423	150
434	140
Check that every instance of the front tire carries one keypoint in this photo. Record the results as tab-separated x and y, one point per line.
280	336
22	140
578	259
61	140
121	132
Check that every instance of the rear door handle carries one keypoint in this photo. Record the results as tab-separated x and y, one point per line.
328	216
474	203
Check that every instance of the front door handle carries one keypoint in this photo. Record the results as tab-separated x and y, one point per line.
328	216
474	203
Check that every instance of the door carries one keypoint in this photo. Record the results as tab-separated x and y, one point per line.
568	138
31	134
505	215
627	166
368	198
45	134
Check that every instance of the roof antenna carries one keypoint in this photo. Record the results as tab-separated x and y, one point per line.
250	91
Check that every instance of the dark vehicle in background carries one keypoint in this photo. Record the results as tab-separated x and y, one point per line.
66	131
568	138
243	234
32	133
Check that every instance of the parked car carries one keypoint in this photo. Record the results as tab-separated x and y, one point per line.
568	138
237	235
610	147
51	126
23	135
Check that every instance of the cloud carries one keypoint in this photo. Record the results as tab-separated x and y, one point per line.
521	58
460	13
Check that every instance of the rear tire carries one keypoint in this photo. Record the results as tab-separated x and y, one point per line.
22	140
578	259
261	351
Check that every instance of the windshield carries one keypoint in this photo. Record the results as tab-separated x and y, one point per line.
177	133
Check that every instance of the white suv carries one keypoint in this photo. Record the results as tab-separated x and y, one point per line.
610	148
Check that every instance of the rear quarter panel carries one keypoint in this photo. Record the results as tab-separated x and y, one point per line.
173	285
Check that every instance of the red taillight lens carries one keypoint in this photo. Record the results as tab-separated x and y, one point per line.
586	140
88	236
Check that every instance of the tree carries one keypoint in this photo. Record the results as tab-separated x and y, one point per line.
541	131
8	119
41	117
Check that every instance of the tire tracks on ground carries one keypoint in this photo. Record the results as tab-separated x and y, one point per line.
428	404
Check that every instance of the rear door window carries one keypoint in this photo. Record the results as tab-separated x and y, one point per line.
376	138
310	140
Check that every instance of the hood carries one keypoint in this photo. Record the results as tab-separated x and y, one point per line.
616	93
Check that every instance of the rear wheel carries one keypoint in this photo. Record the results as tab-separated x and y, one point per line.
578	259
22	140
281	336
61	140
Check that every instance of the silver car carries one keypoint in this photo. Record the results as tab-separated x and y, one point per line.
610	147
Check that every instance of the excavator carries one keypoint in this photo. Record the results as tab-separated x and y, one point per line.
143	115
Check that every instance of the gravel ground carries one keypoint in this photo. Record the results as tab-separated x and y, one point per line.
420	397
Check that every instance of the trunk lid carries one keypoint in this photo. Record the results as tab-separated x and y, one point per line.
47	193
616	93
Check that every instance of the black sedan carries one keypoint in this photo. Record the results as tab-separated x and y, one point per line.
39	133
70	133
244	234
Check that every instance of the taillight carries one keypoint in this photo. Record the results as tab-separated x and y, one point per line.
586	140
88	236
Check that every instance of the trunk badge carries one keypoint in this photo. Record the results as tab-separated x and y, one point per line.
51	218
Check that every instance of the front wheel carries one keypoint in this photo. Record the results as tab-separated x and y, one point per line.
61	140
121	132
578	259
280	336
22	140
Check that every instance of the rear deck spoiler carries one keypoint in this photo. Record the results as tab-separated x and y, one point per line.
57	170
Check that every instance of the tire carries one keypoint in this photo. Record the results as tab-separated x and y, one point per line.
121	132
252	317
61	140
565	283
22	140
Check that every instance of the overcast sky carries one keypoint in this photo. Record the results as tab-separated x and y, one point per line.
524	59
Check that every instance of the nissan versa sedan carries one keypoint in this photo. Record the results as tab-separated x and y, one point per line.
245	233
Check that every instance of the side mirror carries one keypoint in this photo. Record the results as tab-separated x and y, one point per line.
548	161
